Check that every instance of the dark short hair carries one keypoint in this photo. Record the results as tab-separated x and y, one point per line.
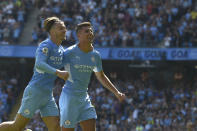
49	22
81	25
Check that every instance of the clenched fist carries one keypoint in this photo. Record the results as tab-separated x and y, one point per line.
62	74
121	96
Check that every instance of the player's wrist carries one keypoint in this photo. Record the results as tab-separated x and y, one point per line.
57	71
116	92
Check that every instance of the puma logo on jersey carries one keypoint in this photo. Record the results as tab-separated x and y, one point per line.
77	57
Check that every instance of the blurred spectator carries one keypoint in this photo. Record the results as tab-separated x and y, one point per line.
8	94
117	23
139	23
12	18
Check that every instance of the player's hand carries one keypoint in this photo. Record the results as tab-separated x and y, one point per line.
62	74
121	96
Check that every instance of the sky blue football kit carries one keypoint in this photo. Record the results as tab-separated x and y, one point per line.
74	103
38	93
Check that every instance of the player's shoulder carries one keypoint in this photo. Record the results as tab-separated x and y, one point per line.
71	48
45	43
95	52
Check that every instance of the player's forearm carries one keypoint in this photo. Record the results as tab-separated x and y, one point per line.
107	84
45	67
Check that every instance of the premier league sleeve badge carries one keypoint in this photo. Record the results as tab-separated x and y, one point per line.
45	51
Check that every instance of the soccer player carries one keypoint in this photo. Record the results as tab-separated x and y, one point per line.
38	93
81	60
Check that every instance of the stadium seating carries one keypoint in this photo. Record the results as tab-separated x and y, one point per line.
121	23
151	103
9	90
13	15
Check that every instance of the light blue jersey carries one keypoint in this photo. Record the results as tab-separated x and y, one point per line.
49	57
80	66
74	103
38	93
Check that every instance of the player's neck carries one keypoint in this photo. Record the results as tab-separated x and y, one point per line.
85	47
56	41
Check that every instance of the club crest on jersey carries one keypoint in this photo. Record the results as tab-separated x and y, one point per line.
77	57
45	50
67	122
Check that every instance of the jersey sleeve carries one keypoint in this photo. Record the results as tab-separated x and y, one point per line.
98	66
42	55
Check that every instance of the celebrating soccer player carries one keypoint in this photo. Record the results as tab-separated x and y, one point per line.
80	61
38	93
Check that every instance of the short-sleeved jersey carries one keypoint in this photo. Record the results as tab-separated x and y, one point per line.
80	66
49	57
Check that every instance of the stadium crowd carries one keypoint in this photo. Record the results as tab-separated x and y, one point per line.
12	19
138	23
152	23
151	104
9	89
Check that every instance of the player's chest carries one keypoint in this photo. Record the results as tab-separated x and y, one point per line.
82	59
82	63
56	56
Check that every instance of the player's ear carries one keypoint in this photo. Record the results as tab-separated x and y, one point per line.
52	31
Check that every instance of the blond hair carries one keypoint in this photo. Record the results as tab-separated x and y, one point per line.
49	22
